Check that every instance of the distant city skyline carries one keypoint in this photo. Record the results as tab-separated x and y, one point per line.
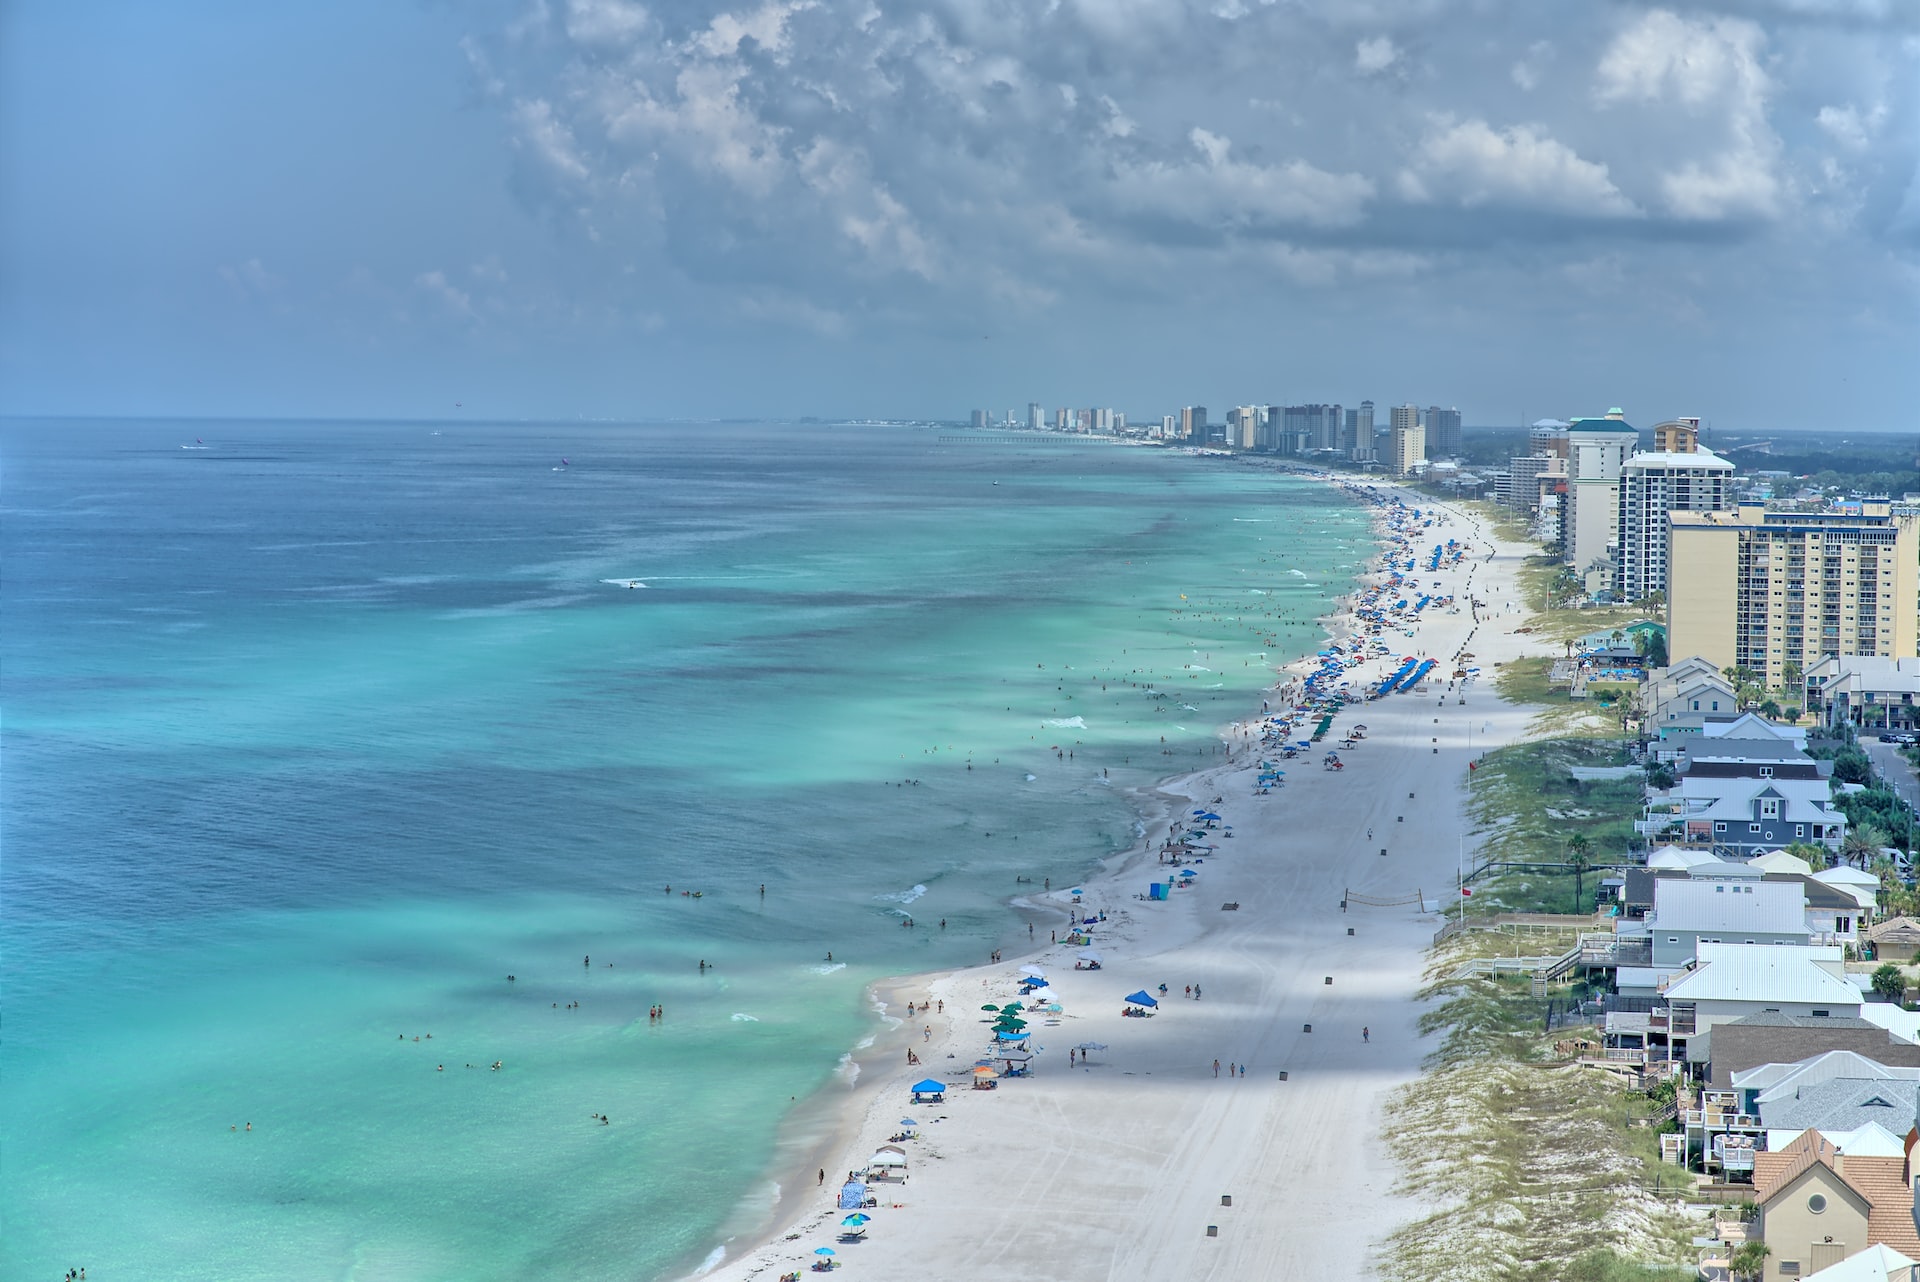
509	209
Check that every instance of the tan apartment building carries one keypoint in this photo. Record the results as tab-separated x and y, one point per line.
1409	440
1764	589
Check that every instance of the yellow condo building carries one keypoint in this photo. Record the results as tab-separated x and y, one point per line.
1762	589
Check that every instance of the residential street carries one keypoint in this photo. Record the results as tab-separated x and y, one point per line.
1894	768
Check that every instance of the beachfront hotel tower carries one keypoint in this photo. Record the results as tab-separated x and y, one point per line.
1409	440
1761	589
1675	476
1597	450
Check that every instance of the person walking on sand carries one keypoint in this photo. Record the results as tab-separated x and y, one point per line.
823	1175
1216	1068
1366	1034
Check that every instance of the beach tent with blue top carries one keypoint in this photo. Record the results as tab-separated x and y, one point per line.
853	1195
1142	998
928	1087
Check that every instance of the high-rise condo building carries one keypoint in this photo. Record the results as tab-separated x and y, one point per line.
1443	432
1361	445
1676	476
1762	589
1409	440
979	419
1193	424
1036	417
1306	428
1597	448
1243	425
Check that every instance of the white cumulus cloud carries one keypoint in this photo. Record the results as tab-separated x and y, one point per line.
1472	163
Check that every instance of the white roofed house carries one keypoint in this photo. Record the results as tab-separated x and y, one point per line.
1690	911
1732	980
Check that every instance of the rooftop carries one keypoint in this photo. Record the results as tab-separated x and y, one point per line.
1768	973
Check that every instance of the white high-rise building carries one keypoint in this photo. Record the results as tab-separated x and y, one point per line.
1036	417
1676	476
1597	448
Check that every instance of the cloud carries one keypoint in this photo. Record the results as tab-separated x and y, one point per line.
1215	189
436	285
923	155
615	22
249	279
1850	127
1704	78
1472	163
1530	70
546	137
1371	57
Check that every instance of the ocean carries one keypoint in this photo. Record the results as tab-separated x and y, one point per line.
315	733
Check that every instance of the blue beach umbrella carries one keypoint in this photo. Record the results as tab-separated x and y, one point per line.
823	1250
856	1219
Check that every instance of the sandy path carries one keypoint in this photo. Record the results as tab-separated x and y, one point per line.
1114	1170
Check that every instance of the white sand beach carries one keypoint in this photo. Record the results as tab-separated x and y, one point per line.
1116	1168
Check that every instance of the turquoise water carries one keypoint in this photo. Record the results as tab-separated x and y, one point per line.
317	733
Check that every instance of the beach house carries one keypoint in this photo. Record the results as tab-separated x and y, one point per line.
1732	980
1817	1205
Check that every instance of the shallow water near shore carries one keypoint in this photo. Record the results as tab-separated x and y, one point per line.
318	733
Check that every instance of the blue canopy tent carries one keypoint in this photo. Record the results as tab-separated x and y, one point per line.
1142	998
928	1087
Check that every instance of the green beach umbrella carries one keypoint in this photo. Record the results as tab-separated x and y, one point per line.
989	1008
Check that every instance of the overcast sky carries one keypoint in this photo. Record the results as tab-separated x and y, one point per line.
916	207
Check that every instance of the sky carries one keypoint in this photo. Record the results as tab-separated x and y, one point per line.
913	208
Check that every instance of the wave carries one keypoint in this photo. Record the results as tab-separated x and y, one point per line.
880	1009
1030	778
1068	723
1258	591
827	968
866	1043
850	1068
712	1262
903	896
738	1018
1297	574
624	583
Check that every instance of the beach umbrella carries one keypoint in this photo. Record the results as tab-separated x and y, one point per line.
856	1219
1089	954
989	1007
1012	1008
1035	971
985	1070
908	1121
1092	1046
824	1250
1142	998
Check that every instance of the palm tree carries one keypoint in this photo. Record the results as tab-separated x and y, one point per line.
1577	855
1748	1260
